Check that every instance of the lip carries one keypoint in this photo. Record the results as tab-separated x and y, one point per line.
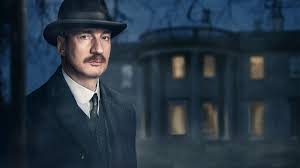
95	63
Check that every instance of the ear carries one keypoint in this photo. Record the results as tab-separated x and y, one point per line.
61	45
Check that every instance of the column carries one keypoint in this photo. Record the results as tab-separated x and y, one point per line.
229	83
155	96
194	96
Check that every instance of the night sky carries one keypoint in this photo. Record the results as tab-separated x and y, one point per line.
142	16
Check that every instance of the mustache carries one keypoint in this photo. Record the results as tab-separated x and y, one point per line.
97	57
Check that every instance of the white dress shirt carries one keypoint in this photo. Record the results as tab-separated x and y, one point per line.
81	94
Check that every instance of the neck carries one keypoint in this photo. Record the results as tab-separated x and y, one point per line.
89	83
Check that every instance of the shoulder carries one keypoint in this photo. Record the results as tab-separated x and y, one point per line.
115	96
123	108
42	99
37	103
37	94
117	99
46	91
40	95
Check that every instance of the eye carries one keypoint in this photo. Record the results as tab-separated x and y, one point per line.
85	36
106	37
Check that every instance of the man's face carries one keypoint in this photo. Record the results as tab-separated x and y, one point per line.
85	53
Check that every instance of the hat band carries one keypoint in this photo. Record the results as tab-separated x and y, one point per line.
83	15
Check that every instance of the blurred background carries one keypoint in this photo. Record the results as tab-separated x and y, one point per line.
216	83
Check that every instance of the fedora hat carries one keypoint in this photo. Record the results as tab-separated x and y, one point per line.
82	14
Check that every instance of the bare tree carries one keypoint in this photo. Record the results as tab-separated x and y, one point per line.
147	6
42	11
225	13
118	14
193	13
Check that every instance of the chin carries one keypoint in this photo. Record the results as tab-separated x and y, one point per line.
94	71
94	74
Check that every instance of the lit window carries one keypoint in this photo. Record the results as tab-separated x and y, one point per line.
209	120
178	67
209	66
257	67
257	110
177	119
294	66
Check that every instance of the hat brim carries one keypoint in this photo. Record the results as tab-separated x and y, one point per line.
53	29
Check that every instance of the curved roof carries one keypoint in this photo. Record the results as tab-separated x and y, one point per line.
185	33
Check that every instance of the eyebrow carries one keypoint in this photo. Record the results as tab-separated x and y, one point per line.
106	32
84	31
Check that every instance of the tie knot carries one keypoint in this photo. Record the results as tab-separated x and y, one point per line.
95	100
94	108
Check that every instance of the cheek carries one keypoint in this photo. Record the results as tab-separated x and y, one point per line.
79	54
74	59
107	51
79	51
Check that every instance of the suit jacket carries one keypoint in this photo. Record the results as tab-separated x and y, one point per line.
58	132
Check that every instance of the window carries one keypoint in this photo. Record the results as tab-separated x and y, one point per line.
127	75
294	67
257	67
177	118
209	66
209	124
257	110
178	67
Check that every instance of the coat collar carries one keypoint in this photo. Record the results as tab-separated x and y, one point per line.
81	94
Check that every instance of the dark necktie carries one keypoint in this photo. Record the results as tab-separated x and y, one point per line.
93	113
98	127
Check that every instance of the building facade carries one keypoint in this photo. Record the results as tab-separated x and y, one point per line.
233	93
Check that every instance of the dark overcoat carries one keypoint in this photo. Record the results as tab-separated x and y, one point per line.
58	135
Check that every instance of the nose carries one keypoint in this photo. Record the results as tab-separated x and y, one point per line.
97	47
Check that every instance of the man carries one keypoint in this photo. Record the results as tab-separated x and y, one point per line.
74	120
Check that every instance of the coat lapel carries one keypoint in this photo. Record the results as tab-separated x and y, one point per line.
109	111
113	119
70	115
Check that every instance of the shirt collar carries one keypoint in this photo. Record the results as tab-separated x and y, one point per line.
81	94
